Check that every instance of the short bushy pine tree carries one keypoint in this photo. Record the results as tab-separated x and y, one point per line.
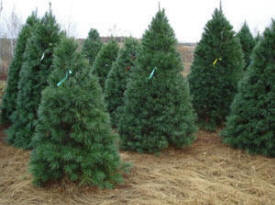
158	109
251	124
10	95
33	78
116	82
104	60
247	43
73	136
216	69
92	45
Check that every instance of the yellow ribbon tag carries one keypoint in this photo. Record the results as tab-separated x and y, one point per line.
216	60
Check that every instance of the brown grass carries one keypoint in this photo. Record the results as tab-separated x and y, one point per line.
187	53
208	172
2	88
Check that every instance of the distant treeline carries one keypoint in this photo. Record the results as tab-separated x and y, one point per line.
6	52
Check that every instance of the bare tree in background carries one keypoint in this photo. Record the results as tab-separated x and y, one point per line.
114	30
1	9
10	26
70	28
13	26
118	33
68	25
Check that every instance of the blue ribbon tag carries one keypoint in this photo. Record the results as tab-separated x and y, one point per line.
69	72
152	73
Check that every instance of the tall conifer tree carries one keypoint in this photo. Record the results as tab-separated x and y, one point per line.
251	124
247	43
158	109
33	79
92	45
215	72
116	82
9	99
258	38
104	60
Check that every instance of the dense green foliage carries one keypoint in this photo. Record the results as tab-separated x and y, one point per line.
33	78
73	136
258	38
158	109
247	42
251	124
216	69
104	60
10	94
92	45
116	82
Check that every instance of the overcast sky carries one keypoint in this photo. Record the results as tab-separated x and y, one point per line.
132	17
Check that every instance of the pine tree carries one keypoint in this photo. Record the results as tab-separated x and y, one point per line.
258	38
104	60
92	45
251	124
10	94
216	69
116	82
73	136
158	109
247	43
33	79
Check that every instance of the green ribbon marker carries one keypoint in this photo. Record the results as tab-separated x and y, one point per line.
152	73
69	72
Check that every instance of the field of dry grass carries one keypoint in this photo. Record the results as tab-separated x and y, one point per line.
208	172
187	53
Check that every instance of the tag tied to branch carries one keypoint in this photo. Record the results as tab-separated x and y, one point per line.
42	57
216	60
69	72
152	73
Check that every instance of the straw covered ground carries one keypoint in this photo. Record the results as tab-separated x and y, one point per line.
208	172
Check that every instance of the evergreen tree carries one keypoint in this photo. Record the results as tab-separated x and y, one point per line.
10	95
92	45
216	69
258	38
104	60
73	136
251	124
247	43
33	79
158	109
116	82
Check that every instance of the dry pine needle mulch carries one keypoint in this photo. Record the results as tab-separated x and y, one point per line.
208	172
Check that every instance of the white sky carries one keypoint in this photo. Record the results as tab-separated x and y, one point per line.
132	17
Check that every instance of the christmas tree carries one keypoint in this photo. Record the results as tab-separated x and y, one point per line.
247	43
104	60
92	45
10	94
215	72
258	38
116	82
33	79
73	135
158	109
251	124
